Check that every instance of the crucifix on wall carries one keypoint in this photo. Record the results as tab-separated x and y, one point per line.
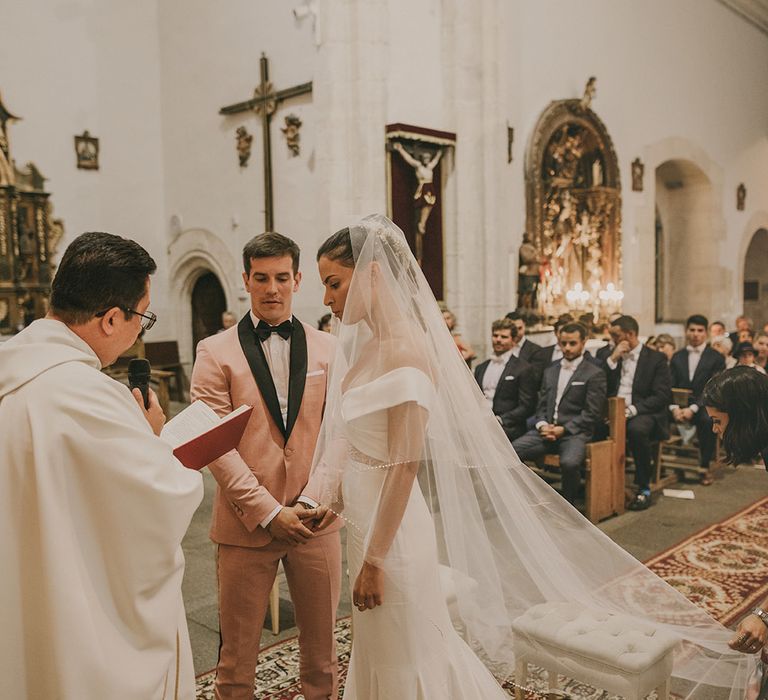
415	164
264	102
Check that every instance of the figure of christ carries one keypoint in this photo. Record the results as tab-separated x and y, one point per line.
424	197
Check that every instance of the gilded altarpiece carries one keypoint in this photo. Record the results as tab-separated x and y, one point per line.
28	238
573	223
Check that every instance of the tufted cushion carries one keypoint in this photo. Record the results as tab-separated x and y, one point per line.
617	641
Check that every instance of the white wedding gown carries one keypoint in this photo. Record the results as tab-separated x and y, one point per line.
407	648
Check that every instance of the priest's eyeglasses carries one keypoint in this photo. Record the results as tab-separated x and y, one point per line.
148	319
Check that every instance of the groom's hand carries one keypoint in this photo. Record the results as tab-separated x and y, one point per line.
321	517
287	527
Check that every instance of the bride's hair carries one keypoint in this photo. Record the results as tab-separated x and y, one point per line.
338	248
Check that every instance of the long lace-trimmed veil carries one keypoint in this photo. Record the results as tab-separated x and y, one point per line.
509	541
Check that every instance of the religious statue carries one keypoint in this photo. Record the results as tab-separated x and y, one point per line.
425	196
741	196
244	140
529	272
292	135
638	168
590	90
565	152
7	176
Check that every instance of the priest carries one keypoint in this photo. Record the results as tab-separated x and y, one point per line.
93	505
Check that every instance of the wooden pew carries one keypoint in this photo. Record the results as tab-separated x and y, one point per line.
164	355
604	478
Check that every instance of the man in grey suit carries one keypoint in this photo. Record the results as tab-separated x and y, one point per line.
571	404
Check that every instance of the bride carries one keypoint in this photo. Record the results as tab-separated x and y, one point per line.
450	538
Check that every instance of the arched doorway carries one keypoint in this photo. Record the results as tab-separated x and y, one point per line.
687	273
756	278
208	303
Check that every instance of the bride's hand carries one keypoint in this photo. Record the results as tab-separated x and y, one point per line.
368	590
320	517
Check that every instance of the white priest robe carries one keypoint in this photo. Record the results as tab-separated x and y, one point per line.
93	508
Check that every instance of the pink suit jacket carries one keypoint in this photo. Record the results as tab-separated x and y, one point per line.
272	463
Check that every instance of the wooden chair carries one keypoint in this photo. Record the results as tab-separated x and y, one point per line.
679	457
604	480
164	355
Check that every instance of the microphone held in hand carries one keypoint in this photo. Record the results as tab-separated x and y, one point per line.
138	377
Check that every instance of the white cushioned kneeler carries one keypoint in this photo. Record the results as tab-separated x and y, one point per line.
617	653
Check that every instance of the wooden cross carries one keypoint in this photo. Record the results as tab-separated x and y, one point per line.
264	102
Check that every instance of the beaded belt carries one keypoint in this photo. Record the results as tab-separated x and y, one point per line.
363	458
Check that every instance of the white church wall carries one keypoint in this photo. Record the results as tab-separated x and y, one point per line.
210	58
71	66
687	69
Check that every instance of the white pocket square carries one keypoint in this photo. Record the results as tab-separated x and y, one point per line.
318	372
578	383
509	378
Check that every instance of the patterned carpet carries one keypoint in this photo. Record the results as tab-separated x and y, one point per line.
723	568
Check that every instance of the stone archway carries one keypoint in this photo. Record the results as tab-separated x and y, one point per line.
193	254
755	287
208	304
686	241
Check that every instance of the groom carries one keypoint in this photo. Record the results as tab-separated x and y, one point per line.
278	365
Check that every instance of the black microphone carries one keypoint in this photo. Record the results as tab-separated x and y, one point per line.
138	377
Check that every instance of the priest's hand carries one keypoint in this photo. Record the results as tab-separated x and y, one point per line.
287	527
154	414
369	588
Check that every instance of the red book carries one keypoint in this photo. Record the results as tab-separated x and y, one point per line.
198	436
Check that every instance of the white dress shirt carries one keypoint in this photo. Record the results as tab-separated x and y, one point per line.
628	369
277	351
518	346
493	374
567	368
694	357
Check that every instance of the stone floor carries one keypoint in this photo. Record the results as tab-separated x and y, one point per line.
643	534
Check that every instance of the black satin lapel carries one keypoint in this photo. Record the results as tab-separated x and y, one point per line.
257	361
298	374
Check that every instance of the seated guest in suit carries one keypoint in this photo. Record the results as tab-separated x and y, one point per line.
553	353
525	349
692	367
509	383
641	377
571	404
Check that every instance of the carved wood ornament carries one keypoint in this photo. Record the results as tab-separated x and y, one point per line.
573	202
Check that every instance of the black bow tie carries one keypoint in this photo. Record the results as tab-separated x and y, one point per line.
264	330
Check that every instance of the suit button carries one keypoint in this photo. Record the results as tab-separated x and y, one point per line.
288	451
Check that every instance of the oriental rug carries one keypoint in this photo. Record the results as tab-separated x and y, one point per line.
723	568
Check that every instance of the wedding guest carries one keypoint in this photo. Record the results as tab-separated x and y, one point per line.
744	356
761	349
641	377
463	346
737	402
665	344
571	404
692	367
324	324
524	348
228	319
553	353
745	335
723	344
717	330
509	383
651	342
743	323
